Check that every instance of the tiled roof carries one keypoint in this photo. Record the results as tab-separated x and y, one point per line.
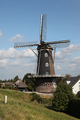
73	80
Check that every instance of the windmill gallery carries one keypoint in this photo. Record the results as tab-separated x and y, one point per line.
45	73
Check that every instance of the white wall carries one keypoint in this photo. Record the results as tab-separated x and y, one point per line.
76	87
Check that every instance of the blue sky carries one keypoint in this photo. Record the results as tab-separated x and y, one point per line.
20	20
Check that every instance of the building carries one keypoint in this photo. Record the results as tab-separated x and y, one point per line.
20	85
5	84
74	82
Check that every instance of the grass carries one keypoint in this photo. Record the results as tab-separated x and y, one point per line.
20	107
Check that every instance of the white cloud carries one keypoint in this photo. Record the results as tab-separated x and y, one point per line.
12	53
17	37
68	60
64	54
72	66
14	62
3	63
76	60
0	33
58	67
71	48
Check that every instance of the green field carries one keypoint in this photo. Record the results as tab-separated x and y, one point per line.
20	107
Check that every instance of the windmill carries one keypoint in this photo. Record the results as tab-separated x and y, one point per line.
45	64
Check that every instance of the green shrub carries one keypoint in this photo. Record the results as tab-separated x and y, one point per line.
8	87
47	101
35	97
65	88
62	97
60	101
40	100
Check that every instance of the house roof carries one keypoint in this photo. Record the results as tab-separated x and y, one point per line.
8	83
17	82
22	85
73	80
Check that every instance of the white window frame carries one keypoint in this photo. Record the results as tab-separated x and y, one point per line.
46	64
46	54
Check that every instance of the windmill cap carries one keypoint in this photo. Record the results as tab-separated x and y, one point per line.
39	44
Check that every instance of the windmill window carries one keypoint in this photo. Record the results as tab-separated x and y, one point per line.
47	73
46	64
46	54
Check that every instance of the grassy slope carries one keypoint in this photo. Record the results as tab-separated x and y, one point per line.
19	107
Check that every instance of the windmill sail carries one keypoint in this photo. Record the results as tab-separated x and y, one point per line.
44	31
43	28
25	44
59	44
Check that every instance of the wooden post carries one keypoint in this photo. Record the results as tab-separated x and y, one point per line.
5	99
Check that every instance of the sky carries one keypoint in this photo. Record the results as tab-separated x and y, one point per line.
20	21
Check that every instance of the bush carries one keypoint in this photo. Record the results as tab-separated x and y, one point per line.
78	94
35	97
60	102
47	101
74	107
8	87
41	100
65	88
62	96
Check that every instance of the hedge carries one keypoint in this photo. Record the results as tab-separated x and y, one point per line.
74	107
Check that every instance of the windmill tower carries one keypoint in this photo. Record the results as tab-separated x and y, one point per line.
45	64
45	73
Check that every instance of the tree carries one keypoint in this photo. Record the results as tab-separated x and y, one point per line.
30	82
59	79
62	96
78	94
0	85
79	75
15	78
66	77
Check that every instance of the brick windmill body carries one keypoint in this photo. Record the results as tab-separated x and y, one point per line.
45	73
